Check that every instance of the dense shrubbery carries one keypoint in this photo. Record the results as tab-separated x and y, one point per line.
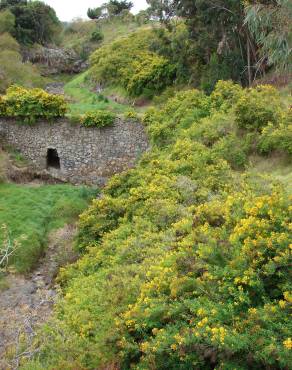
225	95
12	69
186	263
279	138
30	104
98	119
257	107
97	36
129	63
178	113
34	21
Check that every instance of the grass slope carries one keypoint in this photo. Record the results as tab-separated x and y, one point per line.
83	99
34	211
275	166
186	256
77	35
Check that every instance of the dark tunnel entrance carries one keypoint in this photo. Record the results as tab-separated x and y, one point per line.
53	160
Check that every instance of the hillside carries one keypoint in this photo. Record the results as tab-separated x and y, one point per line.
183	261
182	250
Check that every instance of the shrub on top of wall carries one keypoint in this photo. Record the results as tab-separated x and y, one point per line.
98	118
131	114
31	104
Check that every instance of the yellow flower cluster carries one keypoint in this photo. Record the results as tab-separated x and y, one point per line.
288	343
218	334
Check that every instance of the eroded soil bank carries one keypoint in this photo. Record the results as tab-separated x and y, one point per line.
27	302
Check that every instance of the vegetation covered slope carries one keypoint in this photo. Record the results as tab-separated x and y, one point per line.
85	36
29	213
186	257
12	69
83	98
130	63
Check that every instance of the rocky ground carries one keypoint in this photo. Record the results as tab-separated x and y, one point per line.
28	301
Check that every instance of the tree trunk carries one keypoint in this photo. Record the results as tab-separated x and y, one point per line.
248	63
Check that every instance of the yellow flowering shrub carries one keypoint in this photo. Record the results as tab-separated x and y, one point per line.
277	138
31	104
257	107
225	95
98	118
231	295
128	62
185	261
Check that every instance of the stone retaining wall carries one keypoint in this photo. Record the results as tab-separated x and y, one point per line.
86	155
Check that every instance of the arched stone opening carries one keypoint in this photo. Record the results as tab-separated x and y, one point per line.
53	160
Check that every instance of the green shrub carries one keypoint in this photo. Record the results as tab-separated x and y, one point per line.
7	42
257	107
31	104
7	21
212	128
186	263
233	149
98	118
2	106
225	287
101	98
97	36
148	74
277	138
129	62
180	112
225	95
12	69
214	71
131	114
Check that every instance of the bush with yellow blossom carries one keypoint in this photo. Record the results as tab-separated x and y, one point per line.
28	105
186	260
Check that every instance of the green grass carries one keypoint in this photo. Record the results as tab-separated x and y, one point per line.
2	167
84	100
14	155
79	34
285	93
278	167
35	211
79	89
116	29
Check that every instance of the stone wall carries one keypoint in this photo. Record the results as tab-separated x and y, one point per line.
86	155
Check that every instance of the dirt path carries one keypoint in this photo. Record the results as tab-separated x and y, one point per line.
29	300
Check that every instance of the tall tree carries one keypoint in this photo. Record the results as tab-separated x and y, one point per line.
116	7
35	22
8	3
270	23
7	21
214	26
95	13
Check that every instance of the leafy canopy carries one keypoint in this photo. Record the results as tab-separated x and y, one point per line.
35	22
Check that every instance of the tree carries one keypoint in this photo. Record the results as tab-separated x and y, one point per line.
143	17
8	3
95	13
214	26
116	7
164	10
270	23
7	21
35	22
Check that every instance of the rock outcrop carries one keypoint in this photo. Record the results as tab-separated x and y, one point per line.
55	60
